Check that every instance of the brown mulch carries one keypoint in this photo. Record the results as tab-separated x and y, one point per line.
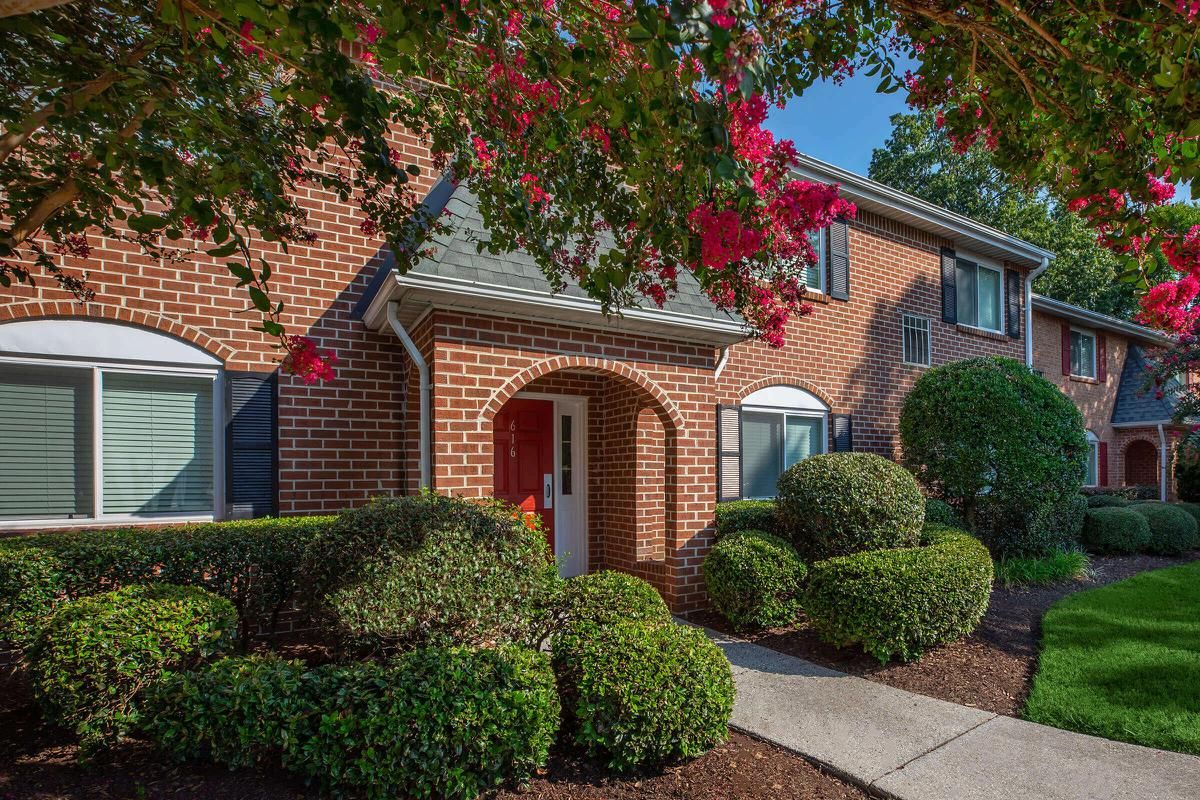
991	669
38	763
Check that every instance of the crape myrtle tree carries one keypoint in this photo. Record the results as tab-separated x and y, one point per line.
582	125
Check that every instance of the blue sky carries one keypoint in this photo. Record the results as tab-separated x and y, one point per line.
839	124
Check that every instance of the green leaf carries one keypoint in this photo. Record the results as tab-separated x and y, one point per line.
260	299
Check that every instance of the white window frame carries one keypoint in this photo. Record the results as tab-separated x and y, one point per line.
922	325
785	401
820	249
1093	461
1081	332
981	265
98	368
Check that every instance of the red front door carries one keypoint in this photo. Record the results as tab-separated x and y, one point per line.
523	443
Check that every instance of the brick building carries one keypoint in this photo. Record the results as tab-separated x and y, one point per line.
1099	362
468	375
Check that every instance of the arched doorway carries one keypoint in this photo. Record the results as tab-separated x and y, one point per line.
1141	464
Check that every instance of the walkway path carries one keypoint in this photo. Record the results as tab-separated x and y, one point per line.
912	747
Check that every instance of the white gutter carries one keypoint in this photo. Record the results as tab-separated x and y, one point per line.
1162	465
426	390
1033	273
721	362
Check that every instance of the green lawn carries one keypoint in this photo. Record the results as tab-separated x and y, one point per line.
1123	661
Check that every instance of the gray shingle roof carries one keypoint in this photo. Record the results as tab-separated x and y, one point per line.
1133	404
457	256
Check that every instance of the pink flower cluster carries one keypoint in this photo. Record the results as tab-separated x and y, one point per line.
1171	305
306	362
533	189
724	238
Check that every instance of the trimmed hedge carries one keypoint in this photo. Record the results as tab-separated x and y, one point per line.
430	570
641	694
1115	530
601	599
1191	508
94	658
1107	501
939	512
1173	531
843	503
902	602
747	515
255	564
436	722
31	587
753	579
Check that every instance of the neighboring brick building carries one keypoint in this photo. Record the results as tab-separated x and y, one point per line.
468	375
1099	362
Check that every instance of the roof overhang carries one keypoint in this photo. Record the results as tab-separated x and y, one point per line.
871	195
1091	319
416	294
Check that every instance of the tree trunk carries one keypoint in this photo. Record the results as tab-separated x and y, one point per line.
11	8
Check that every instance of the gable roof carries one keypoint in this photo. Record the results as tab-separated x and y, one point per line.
1092	319
1134	405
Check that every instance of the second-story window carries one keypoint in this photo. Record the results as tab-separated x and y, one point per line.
980	295
1083	354
914	335
814	274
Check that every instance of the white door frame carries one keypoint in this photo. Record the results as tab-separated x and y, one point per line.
576	522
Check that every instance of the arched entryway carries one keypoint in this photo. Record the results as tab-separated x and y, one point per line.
1141	463
594	451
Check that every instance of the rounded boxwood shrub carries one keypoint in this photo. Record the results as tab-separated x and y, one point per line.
939	512
1001	444
753	579
843	503
436	722
430	570
1191	508
1173	531
747	515
904	601
1115	530
1106	501
94	658
607	597
640	694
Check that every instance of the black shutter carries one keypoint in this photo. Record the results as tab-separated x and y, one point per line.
1012	302
729	453
251	445
843	433
839	260
949	295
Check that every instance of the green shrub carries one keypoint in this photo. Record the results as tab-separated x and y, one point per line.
903	601
31	587
638	694
601	599
1041	570
844	503
1173	531
1187	471
747	515
255	564
939	512
1115	530
1001	444
1106	501
1129	493
238	711
753	579
430	570
1191	508
435	723
95	656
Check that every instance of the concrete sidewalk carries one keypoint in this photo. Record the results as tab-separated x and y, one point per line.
912	747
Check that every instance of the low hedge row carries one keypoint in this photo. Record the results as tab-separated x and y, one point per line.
1173	531
753	579
1107	501
255	564
1141	527
748	515
904	601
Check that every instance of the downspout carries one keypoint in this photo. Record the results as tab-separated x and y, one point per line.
721	362
1162	463
426	390
1033	273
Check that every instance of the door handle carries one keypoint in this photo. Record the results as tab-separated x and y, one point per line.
548	490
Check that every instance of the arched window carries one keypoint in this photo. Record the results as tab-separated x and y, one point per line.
780	425
1092	468
105	422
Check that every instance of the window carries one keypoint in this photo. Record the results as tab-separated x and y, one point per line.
104	440
1092	468
914	334
565	455
780	425
1083	354
814	274
980	295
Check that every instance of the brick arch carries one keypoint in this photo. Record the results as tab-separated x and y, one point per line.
787	380
600	366
102	312
1148	462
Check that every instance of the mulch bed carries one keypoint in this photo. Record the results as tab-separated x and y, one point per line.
38	763
990	670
